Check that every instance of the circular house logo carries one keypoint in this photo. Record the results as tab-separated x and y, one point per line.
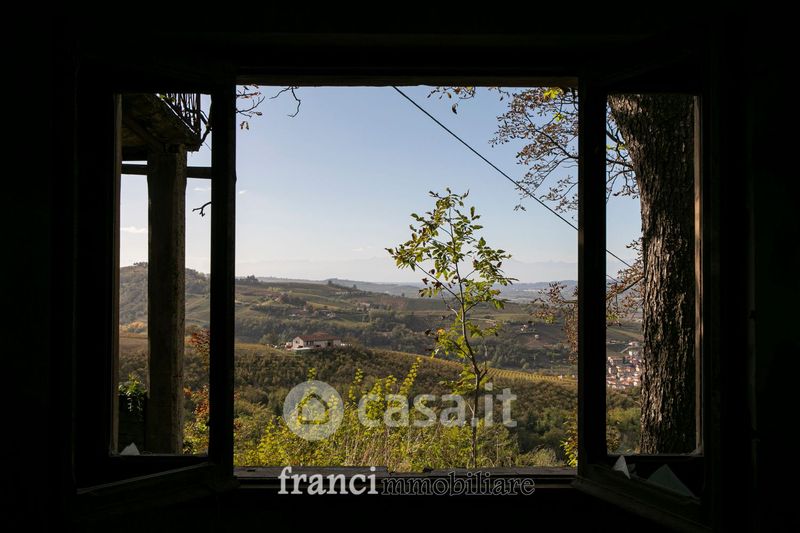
313	410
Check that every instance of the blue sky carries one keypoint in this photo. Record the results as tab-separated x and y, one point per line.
322	194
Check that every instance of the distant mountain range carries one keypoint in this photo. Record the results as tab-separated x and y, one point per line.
515	292
380	269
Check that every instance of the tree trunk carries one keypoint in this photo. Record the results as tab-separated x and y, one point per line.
659	133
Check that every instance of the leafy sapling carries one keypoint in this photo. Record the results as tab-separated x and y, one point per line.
464	271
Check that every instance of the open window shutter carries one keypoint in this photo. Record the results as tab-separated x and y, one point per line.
108	483
596	472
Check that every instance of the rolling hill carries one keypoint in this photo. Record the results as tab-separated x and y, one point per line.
274	311
385	334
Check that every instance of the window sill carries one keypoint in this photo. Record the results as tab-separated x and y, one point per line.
150	491
682	513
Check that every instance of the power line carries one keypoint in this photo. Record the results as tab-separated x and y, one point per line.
517	184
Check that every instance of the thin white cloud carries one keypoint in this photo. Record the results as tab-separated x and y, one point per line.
133	229
359	249
202	189
243	191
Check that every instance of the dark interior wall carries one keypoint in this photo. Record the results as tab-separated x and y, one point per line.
42	347
28	344
774	262
37	269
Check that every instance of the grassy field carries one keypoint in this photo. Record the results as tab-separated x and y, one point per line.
135	345
264	375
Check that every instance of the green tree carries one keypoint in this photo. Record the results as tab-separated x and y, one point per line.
464	271
650	156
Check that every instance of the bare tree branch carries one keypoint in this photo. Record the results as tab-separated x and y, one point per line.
202	209
294	95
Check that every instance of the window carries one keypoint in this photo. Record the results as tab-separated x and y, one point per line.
162	379
100	160
346	285
653	296
672	262
101	457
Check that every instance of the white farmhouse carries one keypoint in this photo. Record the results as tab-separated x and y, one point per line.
309	342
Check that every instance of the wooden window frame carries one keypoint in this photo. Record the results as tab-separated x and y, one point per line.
99	470
595	473
102	474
